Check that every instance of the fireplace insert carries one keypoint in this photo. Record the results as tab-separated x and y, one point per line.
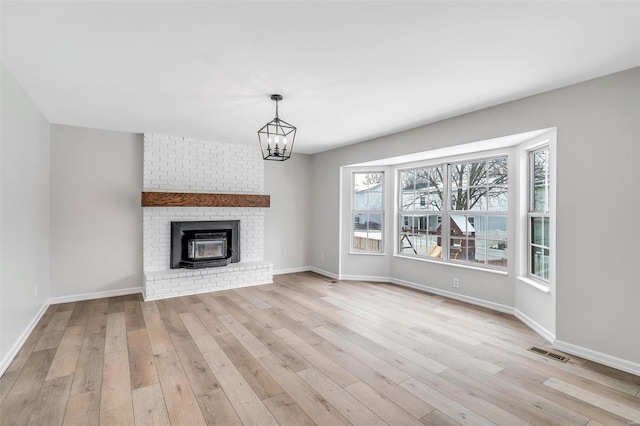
204	244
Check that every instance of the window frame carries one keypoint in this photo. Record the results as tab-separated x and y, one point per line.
446	212
531	213
354	211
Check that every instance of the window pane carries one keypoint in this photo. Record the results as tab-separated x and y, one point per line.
360	231
477	173
434	230
497	173
541	179
459	226
540	262
498	199
375	200
407	182
536	231
497	253
459	175
475	250
545	240
478	198
459	199
479	225
497	227
457	249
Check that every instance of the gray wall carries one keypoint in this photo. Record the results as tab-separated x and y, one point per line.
96	218
288	220
24	221
597	171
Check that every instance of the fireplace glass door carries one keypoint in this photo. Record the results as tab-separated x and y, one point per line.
211	246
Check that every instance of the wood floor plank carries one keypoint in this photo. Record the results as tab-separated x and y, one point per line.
116	338
568	401
632	413
199	333
180	401
316	358
436	418
305	350
133	315
217	410
52	401
314	405
80	314
257	377
444	404
286	411
88	374
346	404
116	305
83	409
285	353
244	336
55	330
371	360
386	409
141	366
149	407
98	316
116	406
248	406
209	319
194	365
66	358
19	403
170	317
158	336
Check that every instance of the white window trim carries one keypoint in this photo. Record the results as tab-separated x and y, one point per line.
446	162
522	271
352	211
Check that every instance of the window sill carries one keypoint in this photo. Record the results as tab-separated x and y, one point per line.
535	284
373	253
455	265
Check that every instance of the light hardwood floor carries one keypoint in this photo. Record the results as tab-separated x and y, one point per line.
305	350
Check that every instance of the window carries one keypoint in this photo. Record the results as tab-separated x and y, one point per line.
421	195
538	216
368	212
478	217
472	195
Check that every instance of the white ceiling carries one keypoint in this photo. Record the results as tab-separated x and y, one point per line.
348	71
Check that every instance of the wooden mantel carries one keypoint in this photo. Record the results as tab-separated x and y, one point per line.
190	199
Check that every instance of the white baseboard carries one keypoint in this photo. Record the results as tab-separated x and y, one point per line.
323	272
6	361
599	357
535	326
365	278
292	270
456	296
95	295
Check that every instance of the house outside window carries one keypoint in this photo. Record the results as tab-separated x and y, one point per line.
539	214
367	212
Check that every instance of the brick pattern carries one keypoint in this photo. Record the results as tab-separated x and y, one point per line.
156	238
180	282
177	164
195	165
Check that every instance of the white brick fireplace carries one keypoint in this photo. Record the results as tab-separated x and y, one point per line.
176	164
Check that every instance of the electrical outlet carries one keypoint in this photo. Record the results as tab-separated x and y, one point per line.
321	256
456	283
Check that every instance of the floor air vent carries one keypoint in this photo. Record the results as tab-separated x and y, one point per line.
548	354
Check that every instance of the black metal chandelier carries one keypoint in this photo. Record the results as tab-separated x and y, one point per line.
277	137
